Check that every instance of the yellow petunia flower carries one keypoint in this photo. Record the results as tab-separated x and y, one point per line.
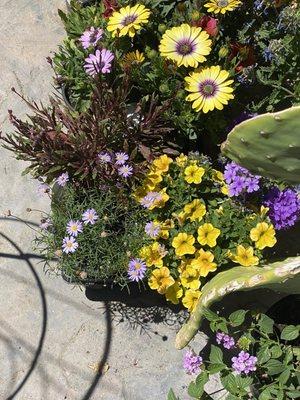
208	234
161	280
183	244
153	254
195	210
204	262
152	181
190	299
245	257
161	164
194	174
186	45
134	57
190	278
217	176
263	235
128	20
222	6
165	228
174	293
184	265
209	89
224	189
181	160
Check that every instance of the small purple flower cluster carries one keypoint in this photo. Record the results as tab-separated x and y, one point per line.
240	180
192	362
244	362
284	207
74	227
119	159
136	269
226	340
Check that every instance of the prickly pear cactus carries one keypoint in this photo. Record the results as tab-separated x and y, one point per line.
283	276
268	145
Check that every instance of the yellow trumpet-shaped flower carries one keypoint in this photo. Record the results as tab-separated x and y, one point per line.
153	254
183	244
195	210
204	262
161	280
263	235
208	234
174	293
128	20
181	160
162	163
245	257
190	278
190	299
194	174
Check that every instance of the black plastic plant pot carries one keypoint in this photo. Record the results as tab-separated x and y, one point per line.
286	311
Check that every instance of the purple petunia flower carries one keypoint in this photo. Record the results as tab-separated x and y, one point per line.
74	227
244	363
226	340
100	62
192	362
121	158
91	37
43	188
240	180
284	207
150	198
69	245
152	229
104	157
136	269
63	179
89	216
125	171
45	224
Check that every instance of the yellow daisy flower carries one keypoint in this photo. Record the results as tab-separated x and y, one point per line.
195	210
161	280
190	278
174	293
190	299
245	257
209	89
128	20
134	57
263	235
194	174
186	45
221	6
204	262
183	244
161	164
208	234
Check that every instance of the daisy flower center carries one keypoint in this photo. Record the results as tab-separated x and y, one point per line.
208	88
184	48
129	19
222	3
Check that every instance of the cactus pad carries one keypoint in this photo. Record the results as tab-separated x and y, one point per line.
283	276
268	145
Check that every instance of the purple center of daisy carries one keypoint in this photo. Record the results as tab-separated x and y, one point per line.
222	3
208	88
184	47
129	19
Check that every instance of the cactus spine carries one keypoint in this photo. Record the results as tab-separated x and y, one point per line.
276	276
268	145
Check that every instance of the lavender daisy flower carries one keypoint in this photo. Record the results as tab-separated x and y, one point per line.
136	269
74	227
121	158
244	363
100	62
240	180
150	199
63	179
104	157
192	362
69	245
43	188
152	229
91	37
284	207
45	224
89	216
125	171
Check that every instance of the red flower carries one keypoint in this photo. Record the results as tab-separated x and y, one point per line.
209	24
244	53
110	7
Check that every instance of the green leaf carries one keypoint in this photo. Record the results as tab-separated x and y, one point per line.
216	355
284	376
276	351
290	332
265	395
266	324
237	317
171	395
274	367
214	368
196	389
229	383
202	378
210	315
293	394
263	355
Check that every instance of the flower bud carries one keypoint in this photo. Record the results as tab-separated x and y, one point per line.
223	52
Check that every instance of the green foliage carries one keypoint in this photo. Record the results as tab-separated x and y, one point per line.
105	248
277	366
268	145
